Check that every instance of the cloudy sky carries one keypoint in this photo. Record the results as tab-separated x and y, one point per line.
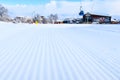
64	8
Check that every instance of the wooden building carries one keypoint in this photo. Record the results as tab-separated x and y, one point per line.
90	18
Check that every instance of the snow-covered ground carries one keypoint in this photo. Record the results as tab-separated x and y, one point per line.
59	52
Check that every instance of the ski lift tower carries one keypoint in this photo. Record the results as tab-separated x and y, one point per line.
81	13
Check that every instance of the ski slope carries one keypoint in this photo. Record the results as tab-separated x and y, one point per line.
59	52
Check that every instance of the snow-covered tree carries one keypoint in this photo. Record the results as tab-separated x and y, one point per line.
44	20
37	18
52	18
4	13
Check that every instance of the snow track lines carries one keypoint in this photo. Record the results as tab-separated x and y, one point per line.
59	53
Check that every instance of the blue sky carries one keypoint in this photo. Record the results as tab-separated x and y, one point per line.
64	8
30	1
24	1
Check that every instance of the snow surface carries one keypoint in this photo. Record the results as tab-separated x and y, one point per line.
59	52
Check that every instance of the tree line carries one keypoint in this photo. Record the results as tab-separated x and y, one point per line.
52	18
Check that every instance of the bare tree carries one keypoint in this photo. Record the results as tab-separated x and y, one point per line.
53	18
50	18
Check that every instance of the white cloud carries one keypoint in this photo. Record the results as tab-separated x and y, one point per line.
67	9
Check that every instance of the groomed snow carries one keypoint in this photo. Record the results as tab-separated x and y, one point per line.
59	52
